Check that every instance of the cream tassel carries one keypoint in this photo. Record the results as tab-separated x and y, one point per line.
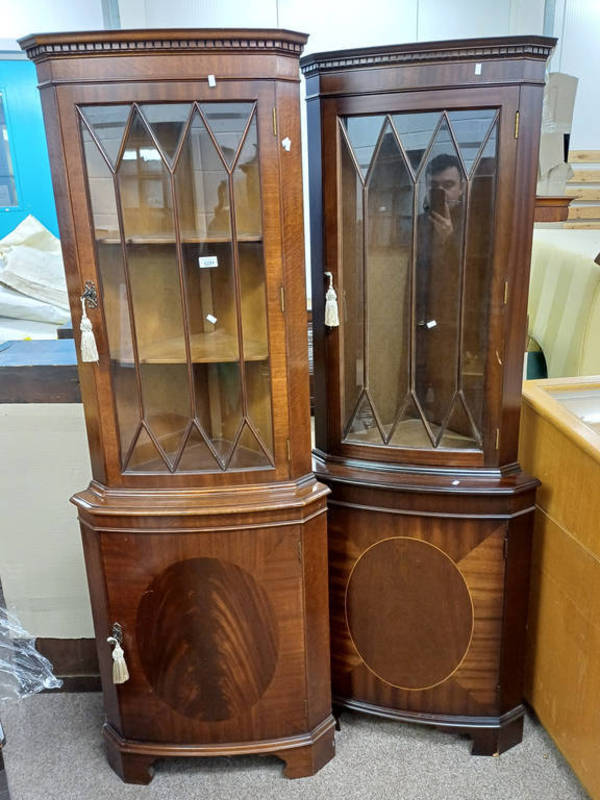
332	317
89	351
120	671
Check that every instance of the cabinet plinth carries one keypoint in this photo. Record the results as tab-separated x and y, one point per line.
204	527
422	184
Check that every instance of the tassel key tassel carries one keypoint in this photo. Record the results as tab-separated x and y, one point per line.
89	350
120	671
332	316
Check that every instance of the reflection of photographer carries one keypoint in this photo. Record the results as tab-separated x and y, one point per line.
439	242
444	194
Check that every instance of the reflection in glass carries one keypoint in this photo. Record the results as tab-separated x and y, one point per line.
219	404
389	238
167	121
227	122
111	270
202	185
415	132
440	225
478	275
8	188
413	376
470	129
145	187
108	124
351	289
256	347
246	182
184	297
363	133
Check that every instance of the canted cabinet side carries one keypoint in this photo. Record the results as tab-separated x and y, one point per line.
204	527
422	166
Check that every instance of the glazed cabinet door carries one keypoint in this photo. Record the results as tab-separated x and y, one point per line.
178	196
422	187
213	634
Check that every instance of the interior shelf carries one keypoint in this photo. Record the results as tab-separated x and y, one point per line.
244	459
411	433
215	347
185	239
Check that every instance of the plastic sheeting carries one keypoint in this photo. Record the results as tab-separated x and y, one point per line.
23	670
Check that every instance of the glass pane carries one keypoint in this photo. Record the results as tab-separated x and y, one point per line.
440	228
390	194
470	129
167	121
363	133
154	278
101	190
248	452
350	284
583	402
8	188
145	187
227	122
145	457
109	257
415	132
219	404
478	275
197	455
108	124
256	343
248	207
363	427
202	186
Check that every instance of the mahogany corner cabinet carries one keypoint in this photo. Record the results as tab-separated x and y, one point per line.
176	167
422	173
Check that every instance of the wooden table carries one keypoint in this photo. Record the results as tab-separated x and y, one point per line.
560	443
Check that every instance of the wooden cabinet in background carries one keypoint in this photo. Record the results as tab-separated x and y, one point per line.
204	527
422	163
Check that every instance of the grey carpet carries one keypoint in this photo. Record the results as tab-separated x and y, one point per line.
54	752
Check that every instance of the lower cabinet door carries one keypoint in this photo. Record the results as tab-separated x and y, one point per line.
417	611
212	633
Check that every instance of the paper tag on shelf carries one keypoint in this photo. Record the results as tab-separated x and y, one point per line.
211	318
207	262
431	324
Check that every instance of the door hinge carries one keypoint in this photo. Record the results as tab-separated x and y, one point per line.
288	449
282	299
274	121
505	292
517	125
506	547
497	438
300	550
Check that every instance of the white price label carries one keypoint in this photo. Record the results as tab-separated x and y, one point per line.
211	319
208	262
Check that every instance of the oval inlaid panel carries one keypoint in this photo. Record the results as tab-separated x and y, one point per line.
207	638
409	612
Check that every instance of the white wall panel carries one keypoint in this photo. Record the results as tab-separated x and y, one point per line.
463	19
577	24
20	17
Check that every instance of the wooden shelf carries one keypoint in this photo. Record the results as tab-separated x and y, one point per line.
411	433
244	459
215	347
157	240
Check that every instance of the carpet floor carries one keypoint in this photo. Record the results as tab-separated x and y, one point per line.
54	752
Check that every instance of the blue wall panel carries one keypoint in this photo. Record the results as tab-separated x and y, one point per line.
29	152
